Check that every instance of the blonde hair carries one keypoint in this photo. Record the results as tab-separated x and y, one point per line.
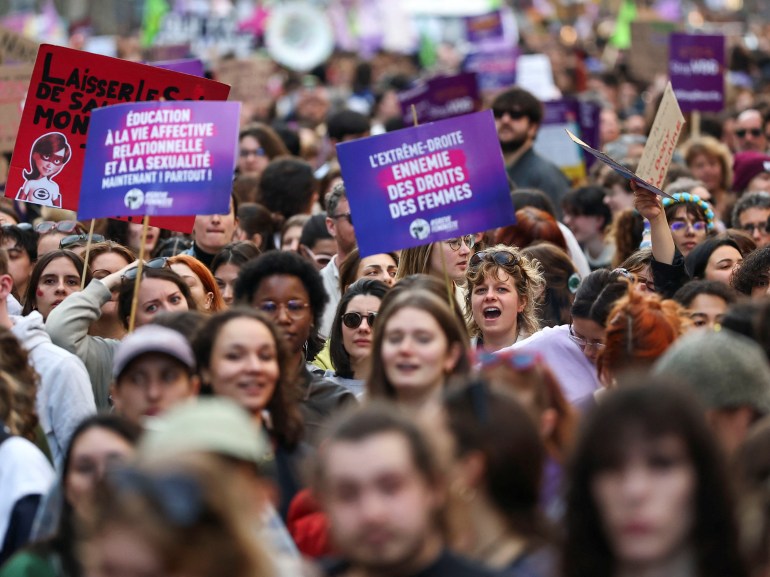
710	146
415	260
527	277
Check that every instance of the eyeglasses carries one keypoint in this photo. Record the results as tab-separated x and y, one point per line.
321	259
79	238
500	257
345	215
354	320
245	153
762	228
160	262
456	243
20	226
65	226
294	309
584	343
680	226
514	114
755	132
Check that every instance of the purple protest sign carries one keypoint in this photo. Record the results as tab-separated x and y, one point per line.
191	66
426	184
696	65
441	97
486	27
495	68
159	159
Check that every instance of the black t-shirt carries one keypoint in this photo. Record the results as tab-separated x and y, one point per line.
447	564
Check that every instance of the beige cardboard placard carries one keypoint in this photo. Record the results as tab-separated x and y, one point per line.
648	55
14	82
16	48
662	140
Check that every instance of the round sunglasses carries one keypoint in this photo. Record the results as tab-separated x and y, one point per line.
354	320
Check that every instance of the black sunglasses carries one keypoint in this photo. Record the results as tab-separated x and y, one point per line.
354	320
500	257
514	114
755	132
79	238
160	262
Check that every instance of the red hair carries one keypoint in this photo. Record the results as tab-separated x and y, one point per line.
532	225
207	279
639	330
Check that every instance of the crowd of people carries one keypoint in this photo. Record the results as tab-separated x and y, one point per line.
583	392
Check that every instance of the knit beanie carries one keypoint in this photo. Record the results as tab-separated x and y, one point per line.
725	369
746	166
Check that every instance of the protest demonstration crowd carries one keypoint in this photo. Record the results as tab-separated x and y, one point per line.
494	301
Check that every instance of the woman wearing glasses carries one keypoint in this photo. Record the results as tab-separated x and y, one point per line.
501	300
350	342
447	258
690	220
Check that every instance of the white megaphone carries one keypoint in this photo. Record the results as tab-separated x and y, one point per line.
299	36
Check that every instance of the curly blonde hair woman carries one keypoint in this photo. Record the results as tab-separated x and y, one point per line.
502	296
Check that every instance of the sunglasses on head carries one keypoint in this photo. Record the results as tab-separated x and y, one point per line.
78	239
66	226
742	132
20	226
354	320
160	262
500	257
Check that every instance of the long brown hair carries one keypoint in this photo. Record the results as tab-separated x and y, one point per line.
18	387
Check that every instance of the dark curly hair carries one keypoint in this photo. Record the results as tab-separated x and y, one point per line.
340	357
754	272
685	295
286	263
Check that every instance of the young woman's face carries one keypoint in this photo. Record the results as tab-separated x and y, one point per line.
59	280
135	237
290	238
226	275
591	336
495	306
722	262
285	299
102	266
244	364
708	170
93	452
49	165
358	341
158	295
252	159
647	503
686	230
454	262
706	311
415	353
378	266
200	296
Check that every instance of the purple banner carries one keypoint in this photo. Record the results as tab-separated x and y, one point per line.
483	28
495	69
441	97
191	66
696	65
425	184
159	159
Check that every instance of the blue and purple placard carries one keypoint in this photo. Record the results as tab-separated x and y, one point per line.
696	66
192	66
485	27
160	159
441	97
495	68
426	184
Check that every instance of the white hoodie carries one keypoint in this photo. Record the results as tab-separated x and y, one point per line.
64	396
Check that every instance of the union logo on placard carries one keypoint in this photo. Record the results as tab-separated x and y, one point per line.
134	199
419	229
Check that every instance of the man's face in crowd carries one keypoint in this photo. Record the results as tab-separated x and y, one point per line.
381	508
514	129
749	132
150	385
213	232
19	264
341	228
754	221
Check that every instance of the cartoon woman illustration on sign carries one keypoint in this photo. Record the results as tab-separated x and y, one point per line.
49	155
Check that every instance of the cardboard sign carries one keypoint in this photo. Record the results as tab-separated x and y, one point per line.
191	66
66	86
16	48
696	66
617	167
648	55
441	97
662	140
425	184
14	82
247	77
160	159
534	73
